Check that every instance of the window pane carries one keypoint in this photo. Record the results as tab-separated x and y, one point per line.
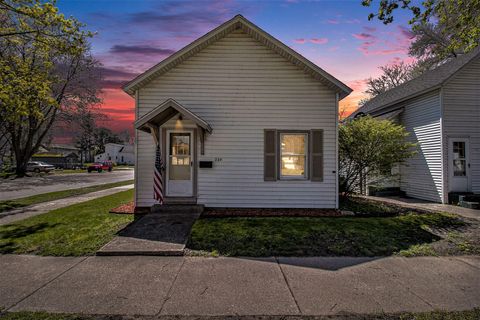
459	168
293	144
458	149
293	166
293	155
180	144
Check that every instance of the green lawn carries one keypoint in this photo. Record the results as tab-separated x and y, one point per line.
435	315
76	230
23	202
69	171
319	236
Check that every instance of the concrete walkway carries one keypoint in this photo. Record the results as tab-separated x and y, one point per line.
155	234
44	207
427	205
237	286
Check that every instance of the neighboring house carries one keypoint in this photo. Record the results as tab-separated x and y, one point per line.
441	110
58	160
117	153
242	120
60	156
63	149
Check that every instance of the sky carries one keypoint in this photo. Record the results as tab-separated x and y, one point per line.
133	35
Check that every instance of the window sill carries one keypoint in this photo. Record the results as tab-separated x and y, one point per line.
293	179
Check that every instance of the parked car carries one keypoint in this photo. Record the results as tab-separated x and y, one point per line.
100	166
39	166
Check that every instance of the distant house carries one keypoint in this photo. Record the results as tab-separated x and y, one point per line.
60	156
64	149
441	110
117	153
69	161
241	120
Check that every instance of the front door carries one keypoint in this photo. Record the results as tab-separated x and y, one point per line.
179	164
459	164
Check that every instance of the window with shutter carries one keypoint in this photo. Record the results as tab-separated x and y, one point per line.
293	155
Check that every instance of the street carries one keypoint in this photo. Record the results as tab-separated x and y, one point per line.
29	186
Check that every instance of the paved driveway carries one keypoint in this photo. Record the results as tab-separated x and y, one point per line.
24	187
197	286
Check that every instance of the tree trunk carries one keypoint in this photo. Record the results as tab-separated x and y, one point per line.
21	165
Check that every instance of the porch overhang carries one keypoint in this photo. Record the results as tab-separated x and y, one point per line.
164	112
389	115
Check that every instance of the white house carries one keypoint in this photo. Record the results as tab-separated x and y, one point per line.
117	153
441	110
242	121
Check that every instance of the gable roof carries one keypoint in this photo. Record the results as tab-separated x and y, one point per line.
165	112
238	22
428	81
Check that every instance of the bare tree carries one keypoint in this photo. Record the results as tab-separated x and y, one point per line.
392	76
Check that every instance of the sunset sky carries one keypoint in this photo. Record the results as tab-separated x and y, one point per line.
133	35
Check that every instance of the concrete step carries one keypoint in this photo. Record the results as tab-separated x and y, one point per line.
123	246
178	208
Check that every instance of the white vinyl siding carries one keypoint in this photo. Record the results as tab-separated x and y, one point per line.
421	177
461	103
240	88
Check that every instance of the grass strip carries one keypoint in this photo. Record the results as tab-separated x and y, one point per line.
6	205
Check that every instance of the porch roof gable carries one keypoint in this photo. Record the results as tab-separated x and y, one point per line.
164	112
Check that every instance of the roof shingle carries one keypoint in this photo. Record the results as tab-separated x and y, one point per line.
427	81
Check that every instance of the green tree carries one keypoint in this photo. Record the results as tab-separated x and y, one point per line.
444	28
368	146
45	70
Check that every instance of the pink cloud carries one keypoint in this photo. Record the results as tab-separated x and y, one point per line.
398	60
333	21
405	32
333	48
319	40
300	40
381	52
357	84
363	36
370	29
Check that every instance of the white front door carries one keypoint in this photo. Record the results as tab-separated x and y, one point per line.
179	163
459	164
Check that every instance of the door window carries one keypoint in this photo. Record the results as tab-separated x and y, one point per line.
459	160
179	153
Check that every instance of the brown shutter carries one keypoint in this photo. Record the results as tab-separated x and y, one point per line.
316	155
270	155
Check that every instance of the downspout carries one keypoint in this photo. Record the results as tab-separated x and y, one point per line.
135	149
442	153
336	151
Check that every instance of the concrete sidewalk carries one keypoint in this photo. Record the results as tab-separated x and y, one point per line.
44	207
198	286
427	205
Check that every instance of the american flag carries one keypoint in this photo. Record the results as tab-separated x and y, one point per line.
157	177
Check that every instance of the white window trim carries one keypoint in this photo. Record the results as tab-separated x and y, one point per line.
306	155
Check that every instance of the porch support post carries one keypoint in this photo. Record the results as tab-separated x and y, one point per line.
202	140
155	133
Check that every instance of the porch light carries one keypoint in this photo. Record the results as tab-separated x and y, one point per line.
179	122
